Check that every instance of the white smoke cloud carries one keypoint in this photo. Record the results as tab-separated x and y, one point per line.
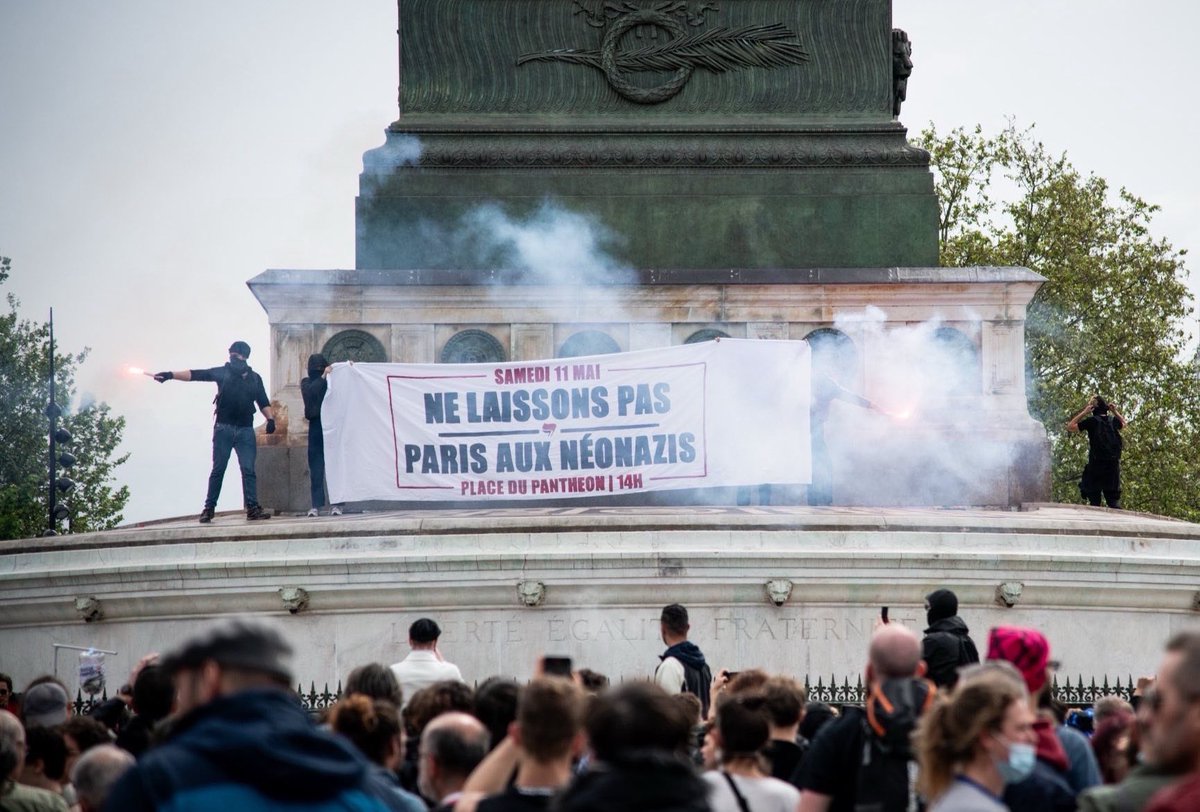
406	150
930	438
552	246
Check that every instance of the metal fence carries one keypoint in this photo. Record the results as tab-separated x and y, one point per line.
1078	694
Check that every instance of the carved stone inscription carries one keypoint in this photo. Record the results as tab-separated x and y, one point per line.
724	626
626	642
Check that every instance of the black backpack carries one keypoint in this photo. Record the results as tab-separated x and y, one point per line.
698	681
887	773
1108	442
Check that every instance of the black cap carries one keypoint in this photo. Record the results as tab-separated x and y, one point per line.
241	348
248	645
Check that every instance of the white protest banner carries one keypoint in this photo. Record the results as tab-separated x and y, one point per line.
713	414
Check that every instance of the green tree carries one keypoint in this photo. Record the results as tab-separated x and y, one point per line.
1110	318
24	434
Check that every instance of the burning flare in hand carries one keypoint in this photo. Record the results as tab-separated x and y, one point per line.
138	371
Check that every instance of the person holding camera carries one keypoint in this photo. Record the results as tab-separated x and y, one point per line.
1102	474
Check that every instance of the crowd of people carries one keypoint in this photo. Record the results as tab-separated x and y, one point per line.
214	725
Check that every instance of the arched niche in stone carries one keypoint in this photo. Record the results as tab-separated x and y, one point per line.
473	347
354	345
833	354
955	360
588	342
707	334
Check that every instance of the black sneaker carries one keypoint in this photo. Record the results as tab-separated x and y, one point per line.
206	515
255	513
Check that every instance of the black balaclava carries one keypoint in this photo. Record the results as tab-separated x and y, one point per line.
316	365
942	604
1101	407
242	349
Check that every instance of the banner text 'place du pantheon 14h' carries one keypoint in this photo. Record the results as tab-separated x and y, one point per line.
718	413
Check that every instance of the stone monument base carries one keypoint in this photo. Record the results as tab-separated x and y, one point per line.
793	590
974	443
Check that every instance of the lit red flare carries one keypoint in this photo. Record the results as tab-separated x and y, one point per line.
138	371
901	413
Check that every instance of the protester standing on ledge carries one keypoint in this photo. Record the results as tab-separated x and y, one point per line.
239	389
313	389
1102	474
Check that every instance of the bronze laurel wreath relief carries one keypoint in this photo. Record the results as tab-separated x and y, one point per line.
716	49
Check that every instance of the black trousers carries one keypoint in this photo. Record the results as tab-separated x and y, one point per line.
1100	477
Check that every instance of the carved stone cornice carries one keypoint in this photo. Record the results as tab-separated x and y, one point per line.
656	150
557	155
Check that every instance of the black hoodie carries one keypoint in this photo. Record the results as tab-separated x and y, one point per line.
946	648
256	749
645	781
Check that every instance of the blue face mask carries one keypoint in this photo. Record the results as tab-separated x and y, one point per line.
1019	764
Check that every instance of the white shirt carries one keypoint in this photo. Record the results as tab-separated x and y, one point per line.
762	794
422	668
669	675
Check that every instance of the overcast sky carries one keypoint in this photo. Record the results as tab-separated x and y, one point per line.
155	155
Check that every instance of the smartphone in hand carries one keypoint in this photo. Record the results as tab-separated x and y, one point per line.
556	666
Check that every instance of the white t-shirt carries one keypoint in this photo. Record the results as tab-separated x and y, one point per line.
761	794
421	669
669	675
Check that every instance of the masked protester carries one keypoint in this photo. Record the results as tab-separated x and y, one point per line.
947	645
313	389
974	742
239	390
1102	474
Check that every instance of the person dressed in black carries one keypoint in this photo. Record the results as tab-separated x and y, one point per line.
947	646
239	389
1102	474
861	760
313	389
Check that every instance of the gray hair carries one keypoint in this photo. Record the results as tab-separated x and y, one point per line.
97	770
12	744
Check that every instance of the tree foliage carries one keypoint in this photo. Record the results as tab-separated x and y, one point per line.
1110	318
24	434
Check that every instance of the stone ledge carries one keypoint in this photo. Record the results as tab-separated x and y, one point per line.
1034	519
657	276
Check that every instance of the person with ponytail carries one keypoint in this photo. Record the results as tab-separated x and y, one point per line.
373	727
743	782
974	741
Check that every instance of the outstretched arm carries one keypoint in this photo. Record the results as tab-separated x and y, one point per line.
177	375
